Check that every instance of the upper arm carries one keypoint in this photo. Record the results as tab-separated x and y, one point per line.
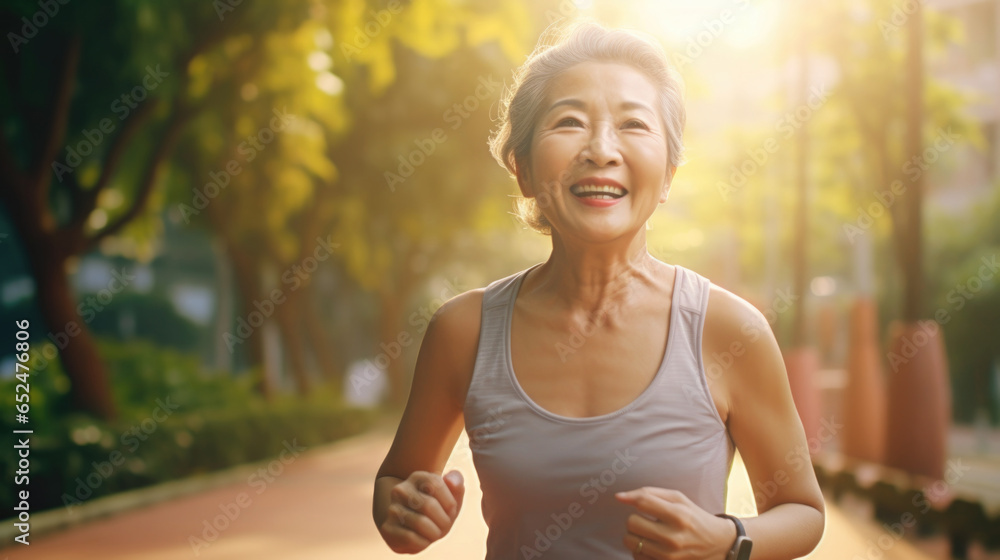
432	419
762	418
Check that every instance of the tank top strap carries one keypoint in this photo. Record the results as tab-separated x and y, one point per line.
490	389
686	364
498	293
693	294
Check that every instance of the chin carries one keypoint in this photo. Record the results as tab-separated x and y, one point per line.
602	232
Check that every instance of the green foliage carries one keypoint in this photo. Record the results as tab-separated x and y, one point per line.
154	320
141	372
77	459
175	421
328	170
965	298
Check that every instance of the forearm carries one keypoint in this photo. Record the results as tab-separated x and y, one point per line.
785	532
380	501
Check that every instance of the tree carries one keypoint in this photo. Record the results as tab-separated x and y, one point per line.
366	95
416	179
126	91
252	172
887	52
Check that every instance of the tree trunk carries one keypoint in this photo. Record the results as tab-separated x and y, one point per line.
388	334
291	335
224	317
257	353
248	283
323	347
800	247
91	387
912	247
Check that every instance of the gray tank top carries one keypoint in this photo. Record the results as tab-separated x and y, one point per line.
548	481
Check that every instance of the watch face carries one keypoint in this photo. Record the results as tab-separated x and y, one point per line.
742	547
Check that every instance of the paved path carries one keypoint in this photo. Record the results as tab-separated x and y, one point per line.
319	507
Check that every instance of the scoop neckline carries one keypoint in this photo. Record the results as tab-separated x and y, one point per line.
508	358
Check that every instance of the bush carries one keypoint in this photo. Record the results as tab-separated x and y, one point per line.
153	317
187	444
175	421
141	373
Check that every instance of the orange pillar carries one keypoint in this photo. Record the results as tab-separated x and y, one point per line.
919	411
863	402
802	365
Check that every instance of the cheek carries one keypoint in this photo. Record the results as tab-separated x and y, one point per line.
552	158
559	148
649	162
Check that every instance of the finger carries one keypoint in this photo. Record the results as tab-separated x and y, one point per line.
434	499
436	487
670	495
648	529
422	503
415	522
409	507
456	483
667	494
402	539
649	548
429	507
669	512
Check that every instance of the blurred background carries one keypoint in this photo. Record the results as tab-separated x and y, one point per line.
224	226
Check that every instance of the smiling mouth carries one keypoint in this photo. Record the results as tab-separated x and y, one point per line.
598	192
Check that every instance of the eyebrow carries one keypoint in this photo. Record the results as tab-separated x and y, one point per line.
579	104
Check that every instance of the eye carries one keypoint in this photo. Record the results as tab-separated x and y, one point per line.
635	123
569	121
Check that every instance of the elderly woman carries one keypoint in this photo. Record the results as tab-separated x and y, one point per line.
582	381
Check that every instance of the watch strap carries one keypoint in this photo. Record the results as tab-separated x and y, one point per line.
740	531
738	542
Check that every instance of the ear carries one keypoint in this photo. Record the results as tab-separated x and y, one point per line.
665	193
523	179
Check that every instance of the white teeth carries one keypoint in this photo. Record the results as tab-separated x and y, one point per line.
580	190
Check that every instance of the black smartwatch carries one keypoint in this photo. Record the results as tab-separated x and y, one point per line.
742	544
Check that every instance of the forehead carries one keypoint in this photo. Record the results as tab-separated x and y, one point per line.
591	82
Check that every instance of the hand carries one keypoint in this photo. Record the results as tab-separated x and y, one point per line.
422	509
679	530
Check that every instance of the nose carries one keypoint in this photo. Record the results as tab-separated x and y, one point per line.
602	147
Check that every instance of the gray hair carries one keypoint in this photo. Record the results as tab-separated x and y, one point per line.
557	51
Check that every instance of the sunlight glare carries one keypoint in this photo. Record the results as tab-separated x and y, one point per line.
738	23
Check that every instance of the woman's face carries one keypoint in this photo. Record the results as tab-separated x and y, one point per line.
598	165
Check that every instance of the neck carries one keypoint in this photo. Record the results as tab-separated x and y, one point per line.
584	275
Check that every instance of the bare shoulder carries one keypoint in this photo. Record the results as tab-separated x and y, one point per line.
731	319
452	339
459	317
739	347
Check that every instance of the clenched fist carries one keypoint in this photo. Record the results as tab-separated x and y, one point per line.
422	509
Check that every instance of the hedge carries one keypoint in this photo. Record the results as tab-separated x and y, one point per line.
175	420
